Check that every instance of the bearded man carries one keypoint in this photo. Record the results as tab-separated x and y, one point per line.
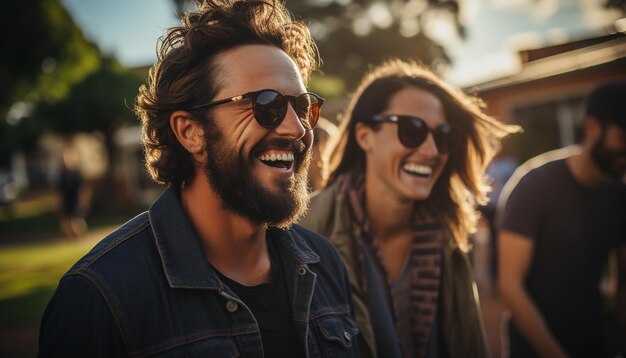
215	267
564	211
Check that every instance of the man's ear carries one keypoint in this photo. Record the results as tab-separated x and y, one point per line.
363	135
593	128
188	131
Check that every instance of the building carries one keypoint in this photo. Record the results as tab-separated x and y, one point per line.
546	96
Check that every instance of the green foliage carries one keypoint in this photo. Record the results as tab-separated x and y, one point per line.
99	103
393	29
349	56
616	4
44	55
327	86
347	53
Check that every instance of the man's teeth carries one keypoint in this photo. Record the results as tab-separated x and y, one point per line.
286	157
418	169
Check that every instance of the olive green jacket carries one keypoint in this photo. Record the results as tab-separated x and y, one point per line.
462	332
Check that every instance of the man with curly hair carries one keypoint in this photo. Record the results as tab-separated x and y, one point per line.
215	267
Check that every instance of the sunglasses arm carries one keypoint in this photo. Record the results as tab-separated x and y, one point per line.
218	102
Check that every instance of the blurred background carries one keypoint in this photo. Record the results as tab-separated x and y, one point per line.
70	70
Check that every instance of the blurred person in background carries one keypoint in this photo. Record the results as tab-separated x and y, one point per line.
406	174
215	267
74	196
323	133
563	212
498	173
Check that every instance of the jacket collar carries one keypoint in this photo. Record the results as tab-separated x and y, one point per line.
182	256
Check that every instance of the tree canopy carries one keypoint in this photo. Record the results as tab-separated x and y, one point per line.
354	34
45	54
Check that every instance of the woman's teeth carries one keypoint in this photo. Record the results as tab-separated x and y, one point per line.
418	169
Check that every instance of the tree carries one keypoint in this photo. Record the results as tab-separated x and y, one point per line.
616	4
354	34
44	53
101	103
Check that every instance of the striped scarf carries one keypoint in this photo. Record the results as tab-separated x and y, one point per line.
424	262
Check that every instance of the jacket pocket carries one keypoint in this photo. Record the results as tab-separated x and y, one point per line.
336	334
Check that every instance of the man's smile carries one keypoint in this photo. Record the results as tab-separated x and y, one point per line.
277	159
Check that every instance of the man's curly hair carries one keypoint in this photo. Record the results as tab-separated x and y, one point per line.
185	75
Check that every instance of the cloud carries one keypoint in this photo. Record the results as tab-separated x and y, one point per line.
524	41
490	66
512	4
538	10
595	16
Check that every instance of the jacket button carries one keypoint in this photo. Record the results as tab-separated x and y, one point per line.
231	306
301	271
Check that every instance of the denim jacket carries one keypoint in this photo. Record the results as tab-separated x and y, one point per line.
148	290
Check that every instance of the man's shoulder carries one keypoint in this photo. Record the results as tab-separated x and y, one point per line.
546	168
537	180
318	243
547	164
112	252
311	237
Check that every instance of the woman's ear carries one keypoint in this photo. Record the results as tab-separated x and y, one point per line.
188	131
363	135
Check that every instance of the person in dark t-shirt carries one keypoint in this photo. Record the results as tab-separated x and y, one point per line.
560	215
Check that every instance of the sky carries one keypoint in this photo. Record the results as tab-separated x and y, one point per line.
496	29
127	29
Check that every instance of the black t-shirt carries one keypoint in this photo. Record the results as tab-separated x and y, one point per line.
270	304
573	228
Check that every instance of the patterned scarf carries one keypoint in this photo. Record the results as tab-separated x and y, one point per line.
424	261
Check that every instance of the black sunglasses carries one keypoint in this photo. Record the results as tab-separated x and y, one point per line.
413	131
270	107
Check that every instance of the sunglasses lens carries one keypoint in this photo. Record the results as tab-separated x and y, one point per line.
443	138
412	131
307	106
270	108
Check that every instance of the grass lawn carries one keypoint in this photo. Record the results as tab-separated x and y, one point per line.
33	257
29	275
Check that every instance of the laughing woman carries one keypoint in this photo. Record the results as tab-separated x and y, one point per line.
406	175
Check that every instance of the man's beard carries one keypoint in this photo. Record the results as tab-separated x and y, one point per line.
229	173
606	159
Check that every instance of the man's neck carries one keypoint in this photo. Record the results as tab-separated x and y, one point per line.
584	170
232	244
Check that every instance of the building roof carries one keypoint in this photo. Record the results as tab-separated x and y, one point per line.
562	59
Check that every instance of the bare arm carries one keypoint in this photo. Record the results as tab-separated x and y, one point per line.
621	296
515	256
